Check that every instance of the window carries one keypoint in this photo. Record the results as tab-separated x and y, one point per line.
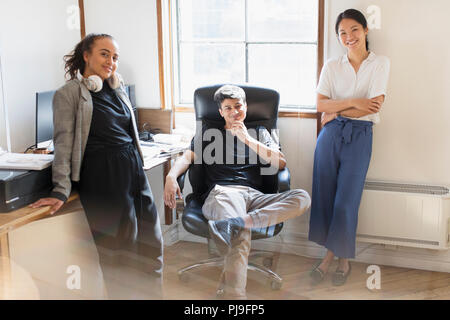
272	43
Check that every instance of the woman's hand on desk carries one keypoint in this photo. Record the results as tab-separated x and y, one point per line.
171	189
54	203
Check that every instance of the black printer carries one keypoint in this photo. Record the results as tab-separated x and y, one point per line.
19	188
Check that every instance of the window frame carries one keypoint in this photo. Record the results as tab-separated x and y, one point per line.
167	67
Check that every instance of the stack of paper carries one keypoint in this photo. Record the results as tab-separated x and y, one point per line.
167	138
25	161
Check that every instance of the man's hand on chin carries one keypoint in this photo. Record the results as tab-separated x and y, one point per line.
239	129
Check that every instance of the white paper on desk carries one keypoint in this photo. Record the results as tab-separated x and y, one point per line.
25	161
159	147
167	138
150	151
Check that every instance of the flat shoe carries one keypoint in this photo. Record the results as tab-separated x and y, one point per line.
316	273
339	277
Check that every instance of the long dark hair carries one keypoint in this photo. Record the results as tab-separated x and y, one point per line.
74	60
354	15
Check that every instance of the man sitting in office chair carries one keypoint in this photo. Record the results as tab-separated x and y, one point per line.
233	205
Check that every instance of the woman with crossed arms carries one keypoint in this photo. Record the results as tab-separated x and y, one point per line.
350	94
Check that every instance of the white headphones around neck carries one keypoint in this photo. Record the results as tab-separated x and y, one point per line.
94	83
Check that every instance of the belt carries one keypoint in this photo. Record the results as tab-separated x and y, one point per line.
347	127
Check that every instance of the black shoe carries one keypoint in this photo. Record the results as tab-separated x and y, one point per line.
225	233
339	277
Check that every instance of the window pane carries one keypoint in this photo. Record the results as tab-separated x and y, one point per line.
288	68
212	19
282	20
205	64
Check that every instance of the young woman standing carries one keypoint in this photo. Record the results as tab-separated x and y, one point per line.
97	148
350	94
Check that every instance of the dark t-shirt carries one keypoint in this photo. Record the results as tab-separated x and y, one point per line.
228	161
111	124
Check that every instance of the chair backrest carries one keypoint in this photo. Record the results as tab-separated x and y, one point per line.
262	110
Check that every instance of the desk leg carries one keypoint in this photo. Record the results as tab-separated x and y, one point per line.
5	267
168	213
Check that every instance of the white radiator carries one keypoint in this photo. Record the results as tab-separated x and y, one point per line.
405	214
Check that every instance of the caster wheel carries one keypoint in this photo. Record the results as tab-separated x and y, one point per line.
184	277
268	262
275	285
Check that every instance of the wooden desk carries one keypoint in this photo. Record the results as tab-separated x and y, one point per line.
15	219
166	162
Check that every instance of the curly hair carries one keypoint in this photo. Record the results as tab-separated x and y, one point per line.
74	61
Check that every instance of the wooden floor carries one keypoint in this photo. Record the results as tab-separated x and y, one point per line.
396	283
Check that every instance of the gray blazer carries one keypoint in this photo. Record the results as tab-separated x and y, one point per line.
72	115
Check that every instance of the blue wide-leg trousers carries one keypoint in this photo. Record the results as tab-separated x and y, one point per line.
341	160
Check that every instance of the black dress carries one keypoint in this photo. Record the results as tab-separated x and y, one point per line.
114	190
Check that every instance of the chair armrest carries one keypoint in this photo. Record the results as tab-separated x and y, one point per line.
284	180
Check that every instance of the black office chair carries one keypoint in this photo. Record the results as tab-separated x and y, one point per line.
262	110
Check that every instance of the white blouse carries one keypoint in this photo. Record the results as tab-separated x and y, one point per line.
338	80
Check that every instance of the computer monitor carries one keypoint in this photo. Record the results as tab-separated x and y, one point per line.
44	112
44	116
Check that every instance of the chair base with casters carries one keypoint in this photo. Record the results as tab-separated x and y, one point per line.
195	222
276	281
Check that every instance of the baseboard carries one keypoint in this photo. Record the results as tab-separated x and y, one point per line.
171	233
378	254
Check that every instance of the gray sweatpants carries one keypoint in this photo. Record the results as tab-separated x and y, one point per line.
224	202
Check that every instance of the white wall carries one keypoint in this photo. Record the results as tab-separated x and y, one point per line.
133	24
3	112
411	144
34	37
